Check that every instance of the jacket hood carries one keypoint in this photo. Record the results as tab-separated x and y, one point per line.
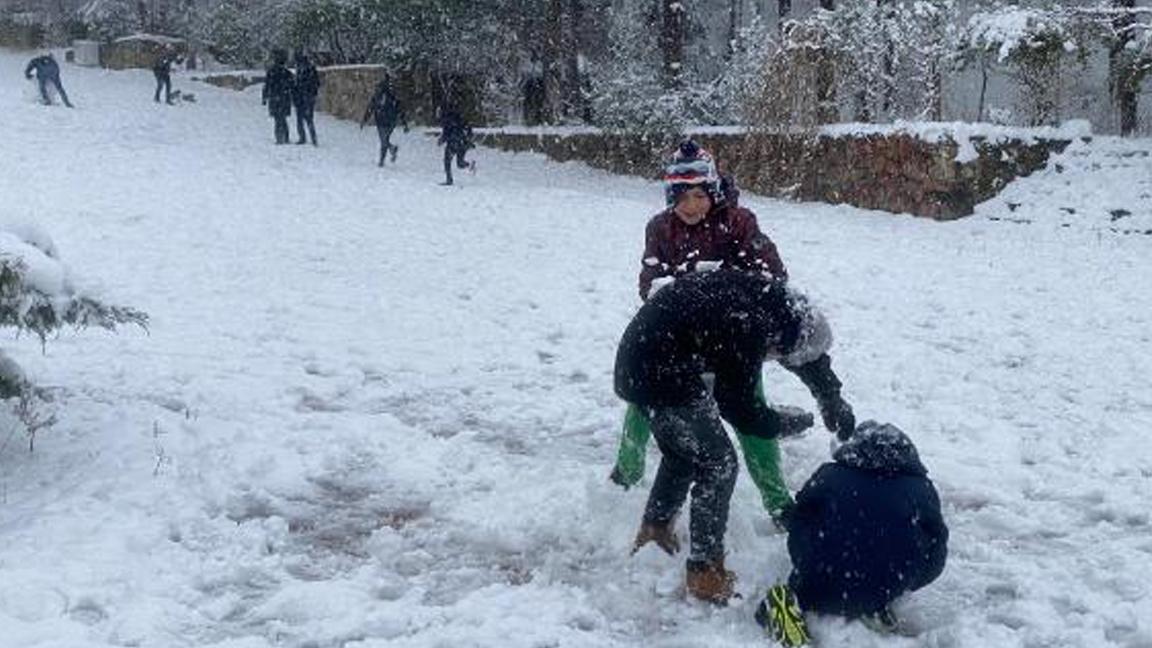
882	448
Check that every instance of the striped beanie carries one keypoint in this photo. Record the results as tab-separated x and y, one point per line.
691	166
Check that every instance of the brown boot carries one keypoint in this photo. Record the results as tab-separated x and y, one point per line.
662	533
710	581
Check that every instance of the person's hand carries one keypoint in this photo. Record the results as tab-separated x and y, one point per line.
793	421
838	417
783	516
405	128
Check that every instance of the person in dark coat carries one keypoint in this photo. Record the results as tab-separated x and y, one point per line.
47	72
304	97
726	322
867	528
162	70
702	226
456	137
385	109
278	87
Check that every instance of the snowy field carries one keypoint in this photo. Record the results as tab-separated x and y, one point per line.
372	411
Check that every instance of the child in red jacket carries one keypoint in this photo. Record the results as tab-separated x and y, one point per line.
702	229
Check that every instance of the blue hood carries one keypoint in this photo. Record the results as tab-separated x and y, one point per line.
882	448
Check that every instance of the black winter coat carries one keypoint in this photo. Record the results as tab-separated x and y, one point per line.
278	88
307	83
385	109
867	527
723	322
45	67
454	131
162	68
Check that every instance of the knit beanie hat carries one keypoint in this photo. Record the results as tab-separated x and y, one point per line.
691	166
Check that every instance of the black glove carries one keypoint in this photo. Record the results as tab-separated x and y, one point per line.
793	421
783	517
838	417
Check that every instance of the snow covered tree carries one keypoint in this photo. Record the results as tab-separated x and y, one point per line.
38	295
793	89
1126	30
109	19
626	82
244	31
642	82
872	61
1033	43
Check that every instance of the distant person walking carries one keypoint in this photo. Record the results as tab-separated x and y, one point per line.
456	136
47	72
387	111
307	87
162	69
278	85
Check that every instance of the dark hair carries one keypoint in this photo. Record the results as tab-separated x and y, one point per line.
279	56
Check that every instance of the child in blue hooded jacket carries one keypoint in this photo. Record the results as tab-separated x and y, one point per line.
866	529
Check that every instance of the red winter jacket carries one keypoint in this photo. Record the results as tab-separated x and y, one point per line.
728	235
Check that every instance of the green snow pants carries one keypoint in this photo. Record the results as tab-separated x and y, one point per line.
761	456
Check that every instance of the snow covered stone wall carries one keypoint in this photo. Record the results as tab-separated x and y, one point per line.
345	90
933	174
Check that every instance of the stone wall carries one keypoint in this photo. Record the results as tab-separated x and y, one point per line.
895	172
130	54
891	171
345	91
232	80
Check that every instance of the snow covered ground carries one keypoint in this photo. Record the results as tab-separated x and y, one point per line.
372	411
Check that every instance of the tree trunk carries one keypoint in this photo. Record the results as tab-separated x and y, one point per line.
733	28
1121	69
826	109
673	29
552	62
783	10
573	46
888	63
983	89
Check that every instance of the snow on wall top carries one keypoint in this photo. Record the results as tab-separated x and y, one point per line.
150	38
960	132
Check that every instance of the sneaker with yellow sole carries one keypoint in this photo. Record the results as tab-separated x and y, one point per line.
779	613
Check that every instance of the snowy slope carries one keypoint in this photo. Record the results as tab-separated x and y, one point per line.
372	411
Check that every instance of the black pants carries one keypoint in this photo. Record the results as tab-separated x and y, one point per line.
54	80
281	128
386	145
454	150
305	109
164	82
697	456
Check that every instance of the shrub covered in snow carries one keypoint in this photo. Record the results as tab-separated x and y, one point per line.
37	295
1033	43
865	61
